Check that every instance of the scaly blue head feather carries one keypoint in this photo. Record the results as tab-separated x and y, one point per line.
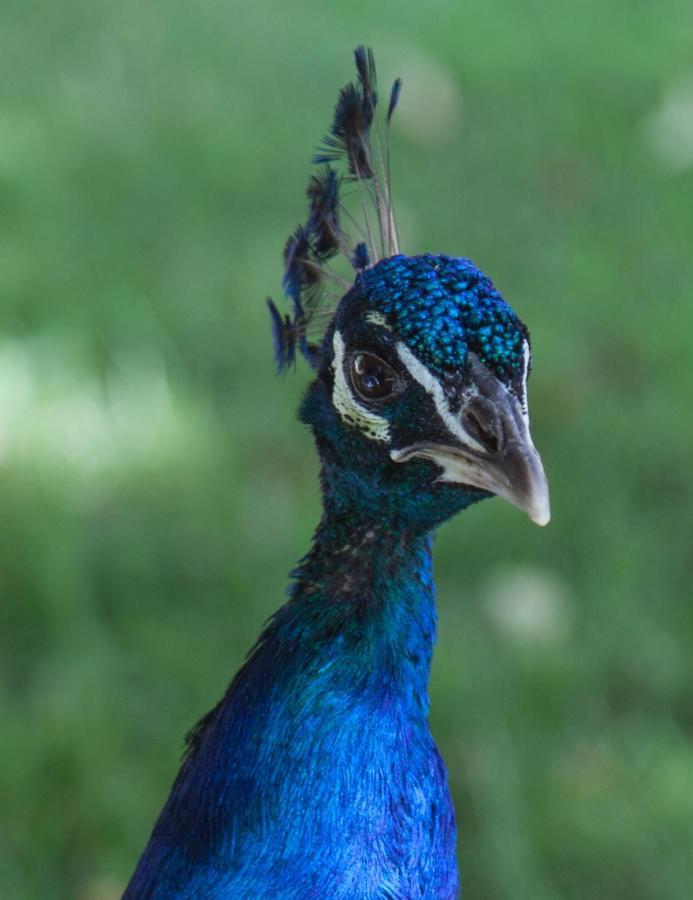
445	308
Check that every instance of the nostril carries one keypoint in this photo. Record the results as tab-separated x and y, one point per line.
482	431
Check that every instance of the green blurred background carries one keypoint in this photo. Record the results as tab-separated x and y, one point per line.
155	488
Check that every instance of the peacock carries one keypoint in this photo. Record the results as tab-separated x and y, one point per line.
316	775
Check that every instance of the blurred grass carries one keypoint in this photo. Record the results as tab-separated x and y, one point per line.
155	488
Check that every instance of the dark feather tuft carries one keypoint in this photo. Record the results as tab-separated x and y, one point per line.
361	258
394	98
323	219
357	156
365	66
299	273
284	334
353	116
348	136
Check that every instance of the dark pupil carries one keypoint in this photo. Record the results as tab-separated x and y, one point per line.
373	379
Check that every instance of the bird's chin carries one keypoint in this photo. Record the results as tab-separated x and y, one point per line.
516	474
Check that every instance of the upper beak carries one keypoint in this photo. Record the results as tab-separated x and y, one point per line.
520	479
500	457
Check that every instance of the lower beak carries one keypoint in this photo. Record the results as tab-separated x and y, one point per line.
514	473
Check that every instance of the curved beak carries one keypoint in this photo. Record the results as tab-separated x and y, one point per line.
495	452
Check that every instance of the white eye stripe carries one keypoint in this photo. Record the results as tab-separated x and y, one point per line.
434	389
376	318
351	411
525	373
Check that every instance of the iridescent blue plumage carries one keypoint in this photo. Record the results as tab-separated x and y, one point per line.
316	775
444	307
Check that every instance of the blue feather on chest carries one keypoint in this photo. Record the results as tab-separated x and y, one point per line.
319	762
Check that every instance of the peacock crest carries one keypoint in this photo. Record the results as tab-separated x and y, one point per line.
353	152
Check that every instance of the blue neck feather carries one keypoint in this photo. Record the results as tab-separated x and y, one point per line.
316	775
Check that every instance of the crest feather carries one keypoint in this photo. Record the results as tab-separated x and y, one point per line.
323	221
352	145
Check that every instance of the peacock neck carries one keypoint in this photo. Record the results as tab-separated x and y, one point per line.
320	754
364	599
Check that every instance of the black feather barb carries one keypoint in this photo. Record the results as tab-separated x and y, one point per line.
348	136
360	258
323	219
365	66
394	98
284	336
300	272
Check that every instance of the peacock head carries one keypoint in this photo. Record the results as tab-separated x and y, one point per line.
420	398
419	405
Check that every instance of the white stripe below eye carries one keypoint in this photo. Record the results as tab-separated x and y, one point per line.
352	412
433	387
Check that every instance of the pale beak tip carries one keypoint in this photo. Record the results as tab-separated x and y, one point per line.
537	503
539	512
540	517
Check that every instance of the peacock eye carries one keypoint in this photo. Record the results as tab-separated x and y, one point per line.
372	378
